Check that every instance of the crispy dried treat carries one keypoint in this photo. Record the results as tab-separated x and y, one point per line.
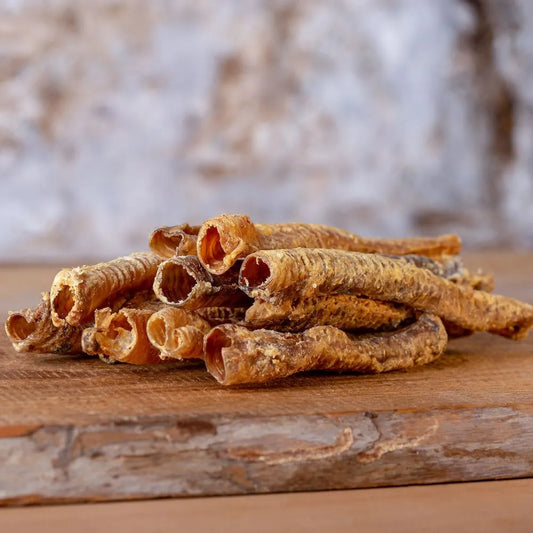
224	239
32	330
169	241
121	337
183	281
77	292
307	272
234	354
177	333
345	311
222	315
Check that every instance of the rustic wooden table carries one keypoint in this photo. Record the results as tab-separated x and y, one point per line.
76	430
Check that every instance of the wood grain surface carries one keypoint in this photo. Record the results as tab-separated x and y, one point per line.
75	429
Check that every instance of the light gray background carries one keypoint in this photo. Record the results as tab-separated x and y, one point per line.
386	117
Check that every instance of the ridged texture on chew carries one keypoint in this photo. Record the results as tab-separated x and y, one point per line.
32	330
345	311
121	337
183	281
450	267
77	292
306	272
224	239
234	354
169	241
177	333
222	315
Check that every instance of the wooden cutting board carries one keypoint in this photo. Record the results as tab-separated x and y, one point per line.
75	429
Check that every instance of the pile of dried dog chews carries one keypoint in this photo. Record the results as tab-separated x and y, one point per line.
258	302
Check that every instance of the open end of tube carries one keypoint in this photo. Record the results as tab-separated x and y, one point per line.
157	329
254	272
211	251
215	341
170	242
119	328
176	283
19	328
63	302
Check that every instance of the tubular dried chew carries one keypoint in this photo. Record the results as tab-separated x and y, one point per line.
234	354
169	241
32	330
306	272
77	292
121	337
183	281
345	311
224	239
177	333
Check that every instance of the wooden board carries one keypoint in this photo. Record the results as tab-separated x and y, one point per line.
481	507
75	429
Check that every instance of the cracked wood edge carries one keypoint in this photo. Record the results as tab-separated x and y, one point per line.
180	456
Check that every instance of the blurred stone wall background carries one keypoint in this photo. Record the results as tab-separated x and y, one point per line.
386	117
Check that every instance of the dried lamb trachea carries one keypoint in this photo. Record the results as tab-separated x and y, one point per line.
121	337
177	333
169	241
305	272
32	330
234	354
345	311
183	281
224	239
77	292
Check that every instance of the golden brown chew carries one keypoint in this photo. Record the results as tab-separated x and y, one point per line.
169	241
177	334
183	281
121	337
32	330
224	239
307	272
234	354
345	311
77	292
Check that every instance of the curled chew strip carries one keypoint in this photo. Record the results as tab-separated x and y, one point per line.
382	278
77	292
177	333
345	311
32	330
224	239
234	354
121	337
182	281
169	241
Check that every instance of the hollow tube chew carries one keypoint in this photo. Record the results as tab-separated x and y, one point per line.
168	241
234	354
224	239
77	292
305	272
32	330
